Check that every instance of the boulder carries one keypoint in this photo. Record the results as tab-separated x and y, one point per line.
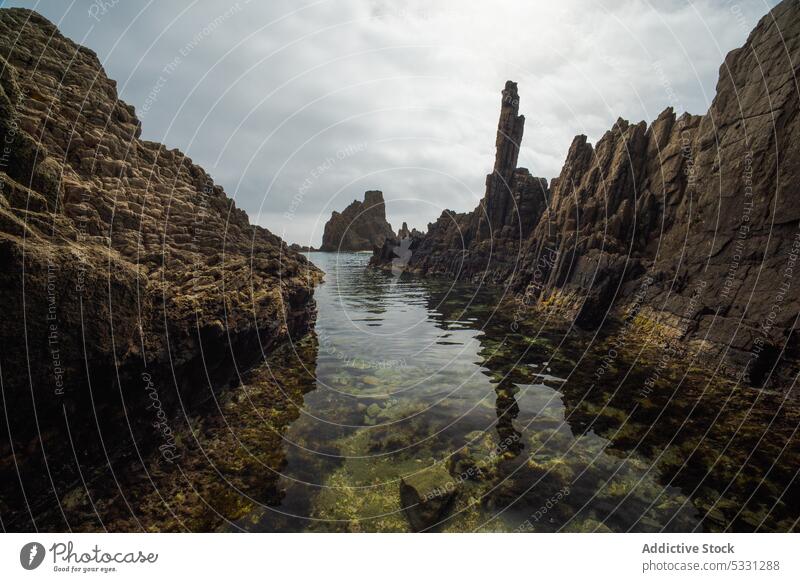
427	497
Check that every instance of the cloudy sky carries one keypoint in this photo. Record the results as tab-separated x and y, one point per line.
298	106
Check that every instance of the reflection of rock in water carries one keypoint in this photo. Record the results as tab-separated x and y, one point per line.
507	412
515	486
703	436
575	455
537	452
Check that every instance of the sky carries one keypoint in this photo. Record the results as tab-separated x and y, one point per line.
297	107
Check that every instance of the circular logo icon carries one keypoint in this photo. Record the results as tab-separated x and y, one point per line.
31	555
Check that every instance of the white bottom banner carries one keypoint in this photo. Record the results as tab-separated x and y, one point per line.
390	557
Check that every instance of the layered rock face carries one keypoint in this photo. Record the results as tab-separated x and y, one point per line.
126	271
361	226
487	242
689	223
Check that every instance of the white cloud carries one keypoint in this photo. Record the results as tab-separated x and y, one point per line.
267	91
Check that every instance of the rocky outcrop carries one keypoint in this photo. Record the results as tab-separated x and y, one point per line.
405	232
687	225
128	276
485	243
361	226
298	248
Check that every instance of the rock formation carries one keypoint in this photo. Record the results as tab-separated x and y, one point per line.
427	497
405	232
687	225
487	242
128	276
361	226
298	248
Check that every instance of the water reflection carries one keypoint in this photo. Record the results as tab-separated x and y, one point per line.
417	405
423	388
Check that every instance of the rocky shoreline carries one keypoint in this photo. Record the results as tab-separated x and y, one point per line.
687	223
129	277
136	296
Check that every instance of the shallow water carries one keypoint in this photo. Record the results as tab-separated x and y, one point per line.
427	382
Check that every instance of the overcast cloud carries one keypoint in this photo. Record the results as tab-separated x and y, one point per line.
298	107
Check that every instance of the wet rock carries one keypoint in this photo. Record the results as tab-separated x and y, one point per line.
427	497
589	525
463	464
478	455
361	226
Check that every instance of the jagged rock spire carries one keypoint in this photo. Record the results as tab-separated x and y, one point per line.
509	136
497	200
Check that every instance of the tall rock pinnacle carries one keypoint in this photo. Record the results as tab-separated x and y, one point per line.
499	187
509	136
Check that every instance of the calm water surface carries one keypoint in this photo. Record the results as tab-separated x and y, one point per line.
427	382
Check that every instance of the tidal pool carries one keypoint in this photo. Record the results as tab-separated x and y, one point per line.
419	404
428	407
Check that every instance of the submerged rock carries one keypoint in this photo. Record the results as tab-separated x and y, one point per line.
427	497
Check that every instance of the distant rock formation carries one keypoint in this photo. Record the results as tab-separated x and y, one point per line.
361	226
298	248
124	264
689	225
485	244
404	232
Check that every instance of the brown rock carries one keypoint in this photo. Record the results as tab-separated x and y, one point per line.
361	226
427	497
695	213
121	259
404	232
484	244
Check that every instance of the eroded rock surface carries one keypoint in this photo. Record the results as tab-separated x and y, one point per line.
361	226
128	276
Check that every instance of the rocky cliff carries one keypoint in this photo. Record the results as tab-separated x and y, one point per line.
686	227
361	226
128	276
